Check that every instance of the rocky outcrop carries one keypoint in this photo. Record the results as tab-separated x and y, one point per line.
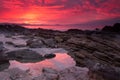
98	51
115	28
9	27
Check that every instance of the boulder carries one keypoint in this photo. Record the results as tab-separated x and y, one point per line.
49	42
24	55
49	56
35	43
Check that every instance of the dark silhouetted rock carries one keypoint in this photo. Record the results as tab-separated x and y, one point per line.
48	56
107	28
75	31
12	28
115	28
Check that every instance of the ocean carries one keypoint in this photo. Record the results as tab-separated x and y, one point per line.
63	28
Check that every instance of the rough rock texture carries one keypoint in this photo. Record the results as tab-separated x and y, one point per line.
105	72
1	46
4	62
24	55
49	42
35	43
73	73
14	74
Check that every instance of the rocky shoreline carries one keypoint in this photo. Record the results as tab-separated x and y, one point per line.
96	53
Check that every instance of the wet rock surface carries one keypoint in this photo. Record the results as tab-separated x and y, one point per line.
24	55
49	56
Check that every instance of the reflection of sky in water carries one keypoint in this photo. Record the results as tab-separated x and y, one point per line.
61	61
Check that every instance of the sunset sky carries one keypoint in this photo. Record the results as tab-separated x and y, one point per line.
83	12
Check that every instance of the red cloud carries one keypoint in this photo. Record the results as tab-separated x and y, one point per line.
58	11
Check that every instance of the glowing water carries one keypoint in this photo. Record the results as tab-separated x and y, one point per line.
61	61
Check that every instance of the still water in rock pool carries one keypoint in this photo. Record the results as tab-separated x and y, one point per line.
60	62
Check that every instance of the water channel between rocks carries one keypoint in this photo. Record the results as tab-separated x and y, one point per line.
60	62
